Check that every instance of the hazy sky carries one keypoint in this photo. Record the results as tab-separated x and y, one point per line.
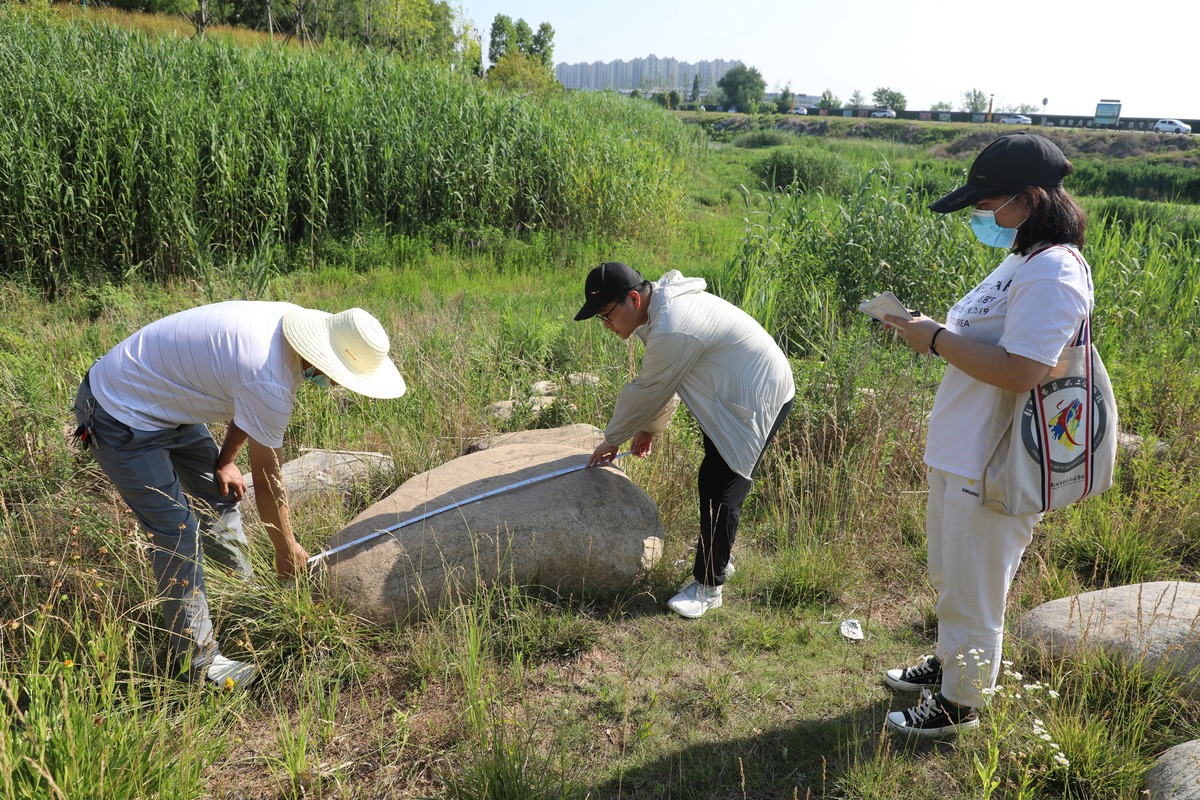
1072	53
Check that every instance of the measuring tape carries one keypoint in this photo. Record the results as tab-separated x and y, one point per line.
451	507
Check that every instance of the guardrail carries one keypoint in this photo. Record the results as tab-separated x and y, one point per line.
1048	120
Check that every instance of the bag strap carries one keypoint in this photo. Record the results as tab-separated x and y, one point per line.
1084	336
1041	420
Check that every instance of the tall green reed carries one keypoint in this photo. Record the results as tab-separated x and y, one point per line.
114	142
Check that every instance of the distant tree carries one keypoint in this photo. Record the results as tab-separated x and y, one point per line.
675	98
695	88
503	36
743	85
887	98
715	97
783	100
662	98
517	72
857	100
1027	108
940	106
542	45
974	101
522	38
156	6
829	100
405	26
636	94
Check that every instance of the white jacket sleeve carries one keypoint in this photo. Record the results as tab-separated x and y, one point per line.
647	403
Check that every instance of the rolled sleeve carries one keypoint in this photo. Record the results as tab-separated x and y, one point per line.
1043	317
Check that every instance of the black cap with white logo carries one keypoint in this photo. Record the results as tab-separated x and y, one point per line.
1010	163
606	283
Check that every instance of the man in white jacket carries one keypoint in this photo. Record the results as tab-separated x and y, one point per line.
725	367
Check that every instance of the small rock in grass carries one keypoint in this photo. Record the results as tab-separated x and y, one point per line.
584	379
1176	773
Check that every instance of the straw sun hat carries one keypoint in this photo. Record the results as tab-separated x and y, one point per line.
351	347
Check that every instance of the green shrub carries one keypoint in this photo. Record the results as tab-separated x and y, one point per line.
764	138
1137	179
804	169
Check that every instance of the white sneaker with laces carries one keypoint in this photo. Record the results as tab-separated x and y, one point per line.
694	599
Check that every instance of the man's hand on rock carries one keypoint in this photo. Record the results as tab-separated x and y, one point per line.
604	454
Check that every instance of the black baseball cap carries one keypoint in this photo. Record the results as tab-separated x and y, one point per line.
604	284
1010	163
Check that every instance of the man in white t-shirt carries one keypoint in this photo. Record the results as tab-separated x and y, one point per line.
143	408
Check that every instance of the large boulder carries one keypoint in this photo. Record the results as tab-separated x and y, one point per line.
1151	625
580	435
325	471
1176	774
590	528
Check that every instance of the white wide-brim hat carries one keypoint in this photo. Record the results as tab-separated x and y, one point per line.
351	347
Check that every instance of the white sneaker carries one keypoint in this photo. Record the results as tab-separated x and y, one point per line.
729	570
225	673
694	599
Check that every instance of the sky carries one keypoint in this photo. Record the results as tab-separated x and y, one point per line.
1073	54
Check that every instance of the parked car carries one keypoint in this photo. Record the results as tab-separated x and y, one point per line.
1016	119
885	113
1172	126
799	110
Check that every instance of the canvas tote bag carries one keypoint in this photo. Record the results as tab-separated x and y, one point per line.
1057	443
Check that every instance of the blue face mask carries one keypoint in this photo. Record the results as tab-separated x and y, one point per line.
312	377
988	231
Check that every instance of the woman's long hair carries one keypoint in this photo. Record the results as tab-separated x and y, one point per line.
1054	218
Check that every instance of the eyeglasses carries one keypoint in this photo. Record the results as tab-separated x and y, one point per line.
606	317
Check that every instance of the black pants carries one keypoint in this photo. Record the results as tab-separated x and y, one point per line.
722	492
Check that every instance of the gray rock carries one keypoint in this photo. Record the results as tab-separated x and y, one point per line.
545	388
584	379
1176	773
580	435
1149	624
593	528
1131	444
325	471
503	409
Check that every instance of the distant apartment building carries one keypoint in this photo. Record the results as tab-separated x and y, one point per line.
648	74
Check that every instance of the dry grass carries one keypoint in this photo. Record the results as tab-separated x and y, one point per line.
155	25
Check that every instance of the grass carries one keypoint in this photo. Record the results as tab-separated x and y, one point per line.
520	693
168	158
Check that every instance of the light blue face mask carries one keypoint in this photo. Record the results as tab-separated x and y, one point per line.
312	377
988	231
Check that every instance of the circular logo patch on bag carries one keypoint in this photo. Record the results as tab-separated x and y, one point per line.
1065	405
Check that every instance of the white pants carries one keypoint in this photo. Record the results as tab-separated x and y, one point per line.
973	555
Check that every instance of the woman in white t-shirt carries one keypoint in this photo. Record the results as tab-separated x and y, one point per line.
1006	333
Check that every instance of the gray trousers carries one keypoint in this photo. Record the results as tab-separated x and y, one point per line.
151	470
